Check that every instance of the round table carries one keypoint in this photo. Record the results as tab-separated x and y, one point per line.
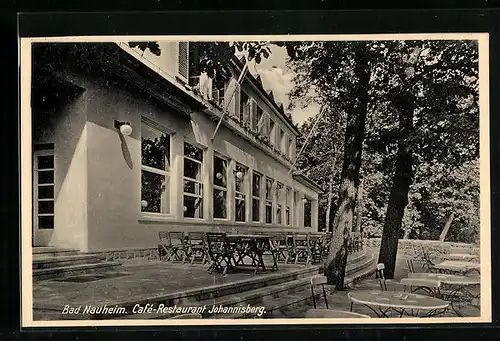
383	302
455	288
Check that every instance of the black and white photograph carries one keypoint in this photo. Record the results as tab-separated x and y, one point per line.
207	180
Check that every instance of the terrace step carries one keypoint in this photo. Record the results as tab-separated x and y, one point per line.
73	270
51	251
46	262
271	297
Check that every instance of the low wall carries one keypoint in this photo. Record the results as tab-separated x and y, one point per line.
411	246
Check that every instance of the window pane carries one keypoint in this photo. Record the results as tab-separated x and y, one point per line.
193	187
45	177
287	215
220	210
240	210
269	214
154	193
256	210
278	214
46	206
239	183
46	161
45	192
192	169
256	185
269	187
193	152
46	222
220	172
307	214
193	207
155	148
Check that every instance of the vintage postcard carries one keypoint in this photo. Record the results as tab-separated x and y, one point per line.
290	179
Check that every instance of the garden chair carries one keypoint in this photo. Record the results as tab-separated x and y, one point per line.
219	251
280	247
318	281
302	248
177	246
327	313
380	275
318	248
197	247
430	287
163	246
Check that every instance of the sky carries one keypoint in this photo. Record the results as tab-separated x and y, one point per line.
276	76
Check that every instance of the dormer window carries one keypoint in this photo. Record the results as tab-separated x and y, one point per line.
244	107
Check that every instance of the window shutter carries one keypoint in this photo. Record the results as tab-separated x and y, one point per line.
263	124
246	112
229	98
255	122
183	59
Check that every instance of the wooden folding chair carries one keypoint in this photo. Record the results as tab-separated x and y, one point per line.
318	250
281	247
219	252
197	247
315	281
302	248
178	247
164	251
380	275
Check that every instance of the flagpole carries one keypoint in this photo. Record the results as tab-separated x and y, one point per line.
240	79
320	115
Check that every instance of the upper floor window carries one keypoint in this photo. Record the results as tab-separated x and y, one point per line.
220	187
272	132
290	151
155	170
257	114
193	181
244	107
280	142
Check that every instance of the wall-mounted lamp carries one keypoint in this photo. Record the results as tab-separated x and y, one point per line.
218	176
185	208
239	174
305	200
125	127
144	203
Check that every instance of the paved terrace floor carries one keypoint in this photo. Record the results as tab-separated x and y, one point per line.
137	282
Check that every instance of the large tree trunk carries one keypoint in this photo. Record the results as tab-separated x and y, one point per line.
330	190
398	198
447	226
336	260
359	208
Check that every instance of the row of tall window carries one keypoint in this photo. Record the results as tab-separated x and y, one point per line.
266	197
